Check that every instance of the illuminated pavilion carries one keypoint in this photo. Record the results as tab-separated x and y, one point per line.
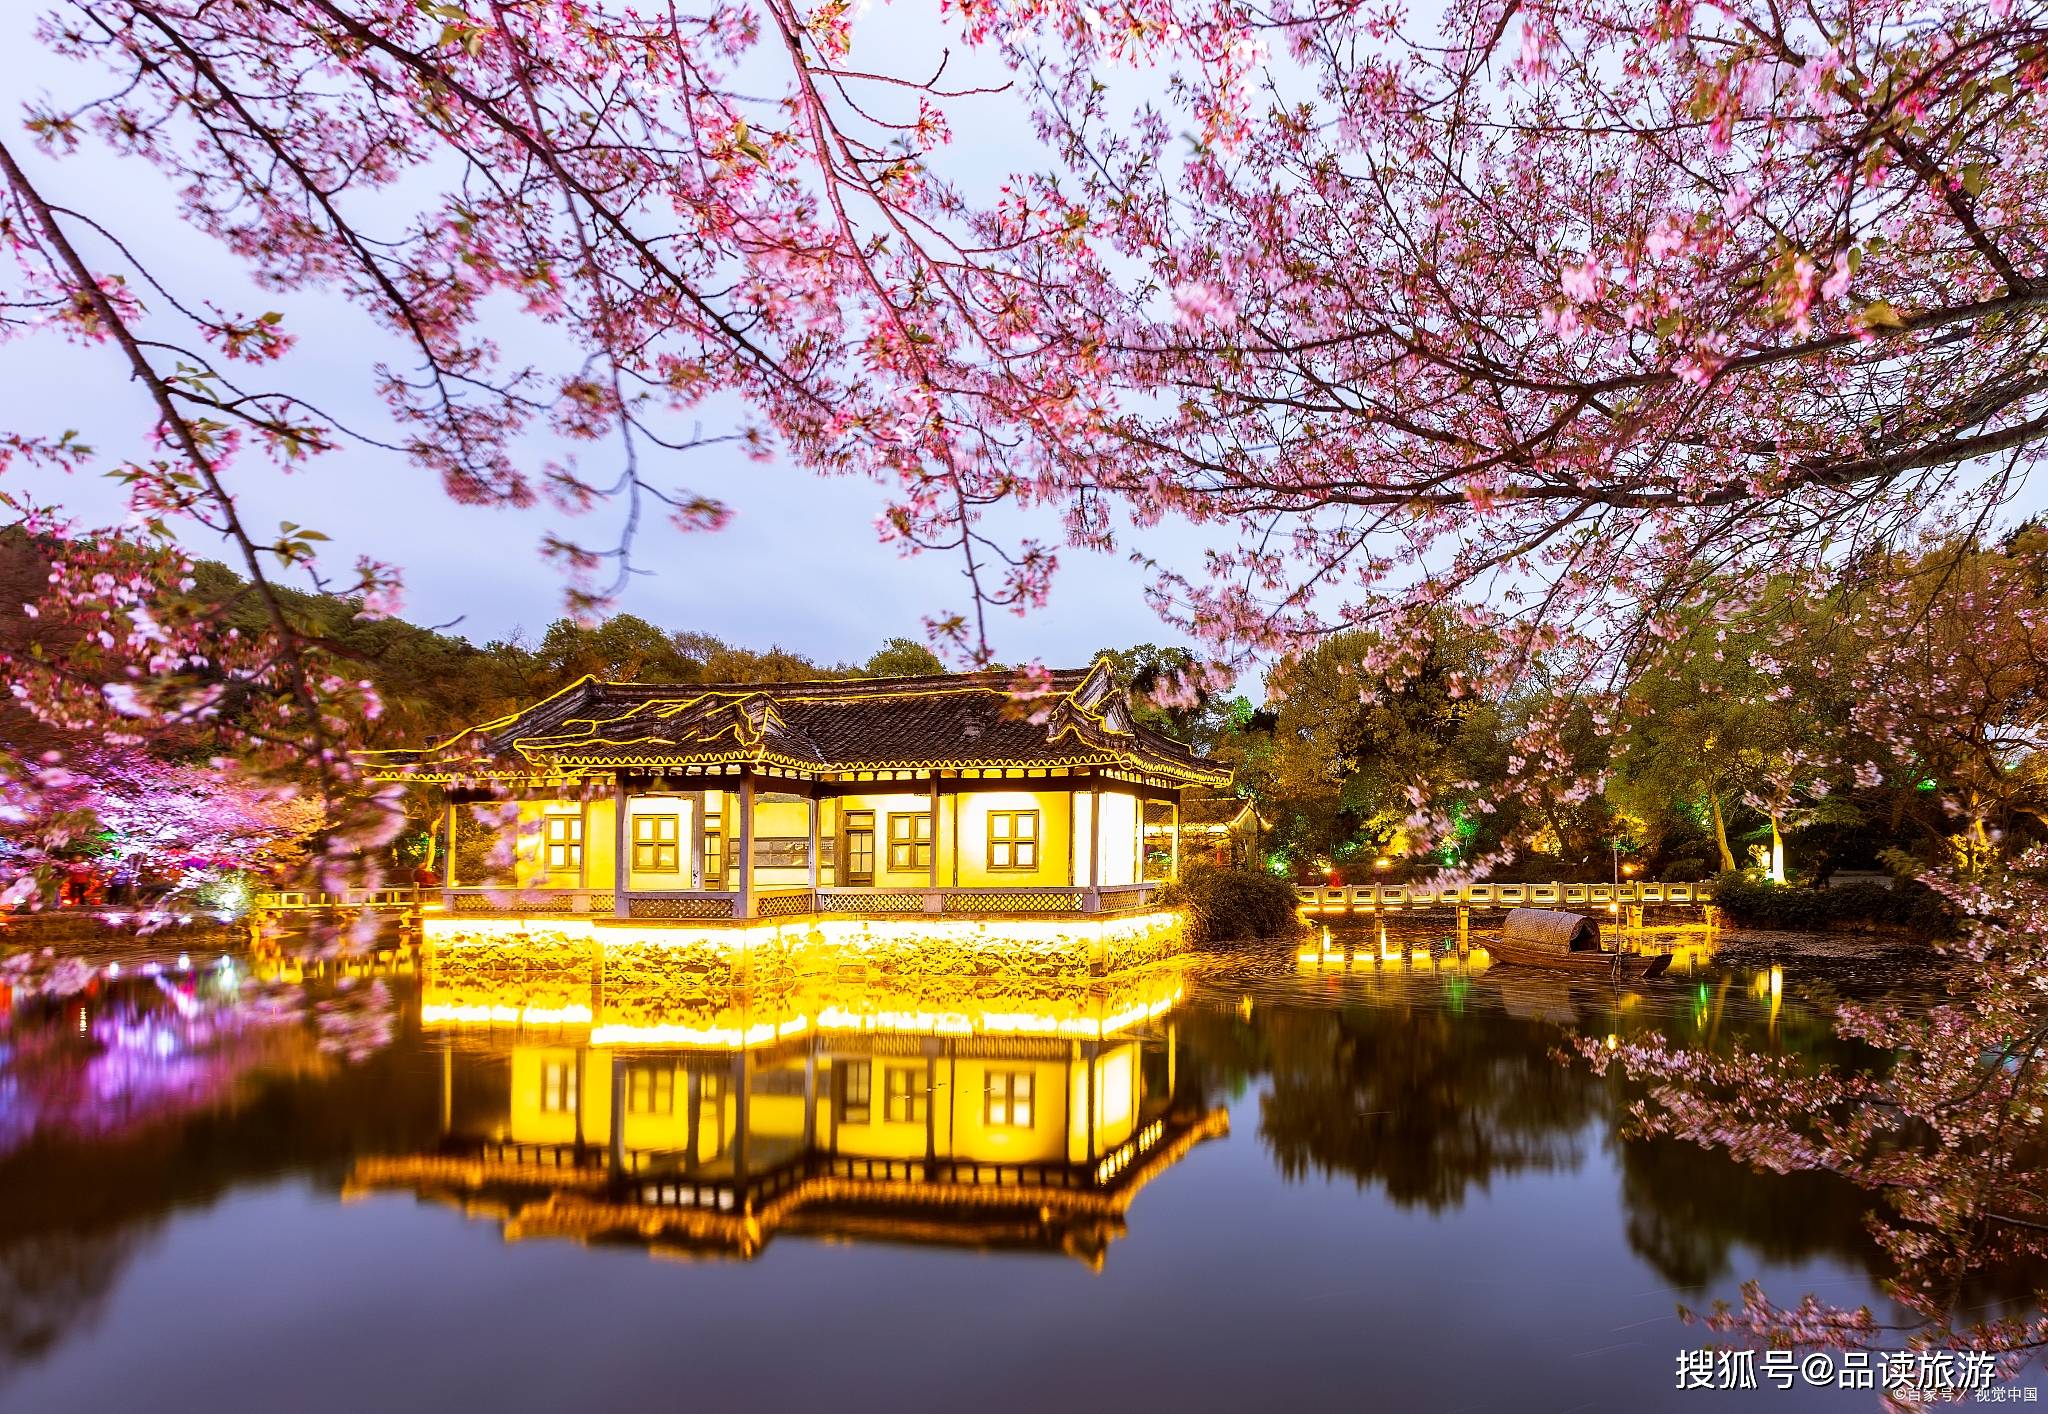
920	811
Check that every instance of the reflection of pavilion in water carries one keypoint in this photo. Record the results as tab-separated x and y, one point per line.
985	1115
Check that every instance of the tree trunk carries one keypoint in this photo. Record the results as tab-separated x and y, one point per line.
1777	852
1721	837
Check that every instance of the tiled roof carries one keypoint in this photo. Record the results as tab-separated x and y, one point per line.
962	721
1213	809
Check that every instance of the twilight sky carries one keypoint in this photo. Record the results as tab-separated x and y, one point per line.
799	567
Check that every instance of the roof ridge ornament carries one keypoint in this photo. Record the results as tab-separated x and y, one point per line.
761	714
1094	687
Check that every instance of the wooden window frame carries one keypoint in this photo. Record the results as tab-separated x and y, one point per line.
858	823
648	854
1004	1095
913	850
906	1094
563	855
1021	851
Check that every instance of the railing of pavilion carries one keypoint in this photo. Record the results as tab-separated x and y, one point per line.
707	905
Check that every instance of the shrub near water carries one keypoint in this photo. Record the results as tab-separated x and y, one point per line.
1232	905
1908	905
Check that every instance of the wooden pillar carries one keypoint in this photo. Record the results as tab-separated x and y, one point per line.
1173	823
1072	825
746	844
697	809
448	874
1094	835
935	830
953	795
622	848
814	839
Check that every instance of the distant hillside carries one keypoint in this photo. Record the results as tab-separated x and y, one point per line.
434	682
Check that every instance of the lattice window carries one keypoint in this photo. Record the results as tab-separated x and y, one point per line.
910	841
564	837
1013	839
657	847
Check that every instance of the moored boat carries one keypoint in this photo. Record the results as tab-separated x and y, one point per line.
1568	942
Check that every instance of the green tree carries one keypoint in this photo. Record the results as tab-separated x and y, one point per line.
1341	747
624	648
903	658
1726	717
1170	693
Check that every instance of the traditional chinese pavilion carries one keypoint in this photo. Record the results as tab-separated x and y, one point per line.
934	797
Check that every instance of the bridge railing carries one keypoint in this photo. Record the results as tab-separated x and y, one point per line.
1404	898
291	900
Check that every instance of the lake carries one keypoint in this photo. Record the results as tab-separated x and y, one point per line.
1351	1174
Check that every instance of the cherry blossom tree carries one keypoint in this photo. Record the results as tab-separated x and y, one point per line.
126	817
714	210
1950	1138
1571	307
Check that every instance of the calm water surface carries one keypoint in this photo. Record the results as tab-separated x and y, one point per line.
1353	1178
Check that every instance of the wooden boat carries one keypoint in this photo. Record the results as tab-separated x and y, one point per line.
1568	942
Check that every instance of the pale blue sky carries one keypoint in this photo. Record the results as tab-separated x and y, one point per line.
800	566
